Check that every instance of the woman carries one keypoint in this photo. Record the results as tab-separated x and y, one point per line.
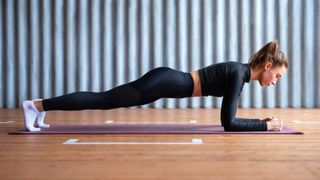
223	79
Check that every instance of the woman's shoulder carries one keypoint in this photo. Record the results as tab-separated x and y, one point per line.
229	66
225	67
239	71
235	70
233	64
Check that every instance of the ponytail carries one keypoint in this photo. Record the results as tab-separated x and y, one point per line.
271	53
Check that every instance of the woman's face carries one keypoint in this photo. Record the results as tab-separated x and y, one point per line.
270	74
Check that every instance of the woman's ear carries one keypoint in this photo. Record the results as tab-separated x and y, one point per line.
267	65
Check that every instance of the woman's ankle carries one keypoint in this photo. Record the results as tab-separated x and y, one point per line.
38	105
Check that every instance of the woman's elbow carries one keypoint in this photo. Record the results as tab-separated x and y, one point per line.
228	124
225	123
227	128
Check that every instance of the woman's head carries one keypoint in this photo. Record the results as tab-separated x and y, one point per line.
269	52
270	62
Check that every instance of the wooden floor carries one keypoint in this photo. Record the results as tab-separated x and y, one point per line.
219	157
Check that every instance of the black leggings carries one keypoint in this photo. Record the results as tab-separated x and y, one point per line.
158	83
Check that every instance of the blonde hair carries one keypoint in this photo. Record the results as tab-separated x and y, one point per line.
269	52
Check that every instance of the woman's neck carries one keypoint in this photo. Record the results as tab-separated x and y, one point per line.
255	73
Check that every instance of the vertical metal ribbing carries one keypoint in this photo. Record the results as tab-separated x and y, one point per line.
171	42
95	46
182	41
58	48
10	58
295	49
256	93
208	41
221	31
34	59
83	71
232	30
107	53
220	37
282	93
70	60
317	54
23	69
50	48
269	32
133	40
158	28
46	36
245	47
307	56
195	42
120	42
1	55
145	38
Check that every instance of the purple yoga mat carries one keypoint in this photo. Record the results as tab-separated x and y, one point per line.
146	129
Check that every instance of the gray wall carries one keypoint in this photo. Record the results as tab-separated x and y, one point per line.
49	48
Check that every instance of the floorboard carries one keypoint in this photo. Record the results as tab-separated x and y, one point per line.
221	156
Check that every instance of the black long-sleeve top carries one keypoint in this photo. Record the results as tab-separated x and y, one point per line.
227	80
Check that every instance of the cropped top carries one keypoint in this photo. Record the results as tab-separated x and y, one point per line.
226	80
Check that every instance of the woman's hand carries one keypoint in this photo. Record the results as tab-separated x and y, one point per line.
268	119
273	123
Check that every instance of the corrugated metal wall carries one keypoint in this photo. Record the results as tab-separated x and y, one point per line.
49	48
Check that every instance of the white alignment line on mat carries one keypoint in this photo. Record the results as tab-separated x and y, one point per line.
75	141
112	122
306	122
8	122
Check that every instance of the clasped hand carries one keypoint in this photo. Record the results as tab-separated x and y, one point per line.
273	123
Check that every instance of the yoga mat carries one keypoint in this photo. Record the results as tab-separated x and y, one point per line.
146	129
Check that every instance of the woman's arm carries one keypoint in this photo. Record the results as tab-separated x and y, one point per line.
229	109
231	123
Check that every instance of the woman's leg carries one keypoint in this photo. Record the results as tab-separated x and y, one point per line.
157	83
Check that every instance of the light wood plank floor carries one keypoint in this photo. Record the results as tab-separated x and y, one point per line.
219	157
